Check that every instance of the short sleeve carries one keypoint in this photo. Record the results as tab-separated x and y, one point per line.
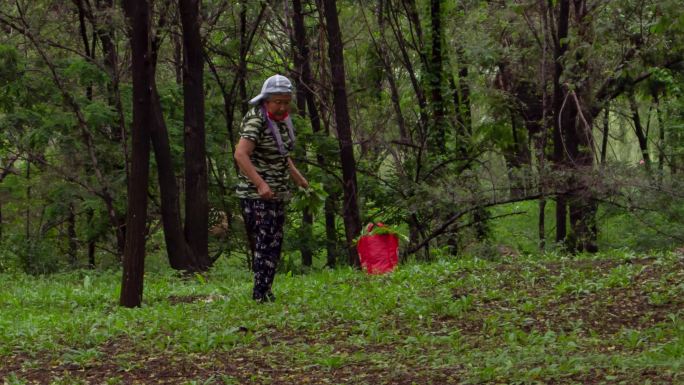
251	128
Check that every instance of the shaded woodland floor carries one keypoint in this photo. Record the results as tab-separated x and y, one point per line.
611	319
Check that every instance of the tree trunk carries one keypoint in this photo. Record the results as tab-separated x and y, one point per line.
71	235
179	253
541	224
436	78
604	140
352	220
518	160
91	255
138	15
580	143
560	47
28	203
661	138
302	83
463	102
640	133
196	199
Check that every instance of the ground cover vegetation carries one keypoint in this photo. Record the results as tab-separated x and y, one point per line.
609	318
528	152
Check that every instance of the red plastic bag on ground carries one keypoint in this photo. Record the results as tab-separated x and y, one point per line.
378	252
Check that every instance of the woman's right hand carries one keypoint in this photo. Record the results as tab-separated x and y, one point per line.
265	191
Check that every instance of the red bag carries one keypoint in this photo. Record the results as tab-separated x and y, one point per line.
378	252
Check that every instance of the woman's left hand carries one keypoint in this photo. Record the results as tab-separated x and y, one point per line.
302	182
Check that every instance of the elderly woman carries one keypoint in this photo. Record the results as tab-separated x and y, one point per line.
262	154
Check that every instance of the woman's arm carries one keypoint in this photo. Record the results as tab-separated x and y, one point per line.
243	152
296	175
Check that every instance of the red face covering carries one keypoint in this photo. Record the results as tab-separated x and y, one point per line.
277	119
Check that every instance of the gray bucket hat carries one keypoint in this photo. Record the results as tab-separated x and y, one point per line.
276	84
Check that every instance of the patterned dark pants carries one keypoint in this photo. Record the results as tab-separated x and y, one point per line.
264	222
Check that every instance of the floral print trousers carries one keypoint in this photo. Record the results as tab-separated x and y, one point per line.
264	220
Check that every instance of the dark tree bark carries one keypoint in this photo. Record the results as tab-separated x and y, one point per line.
91	255
661	137
196	199
639	131
181	256
463	101
302	84
579	140
138	12
71	234
179	253
518	160
560	123
89	52
604	140
436	78
352	220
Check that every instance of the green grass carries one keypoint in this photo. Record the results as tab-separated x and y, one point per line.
639	230
612	318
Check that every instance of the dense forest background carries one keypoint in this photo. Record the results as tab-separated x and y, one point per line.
468	126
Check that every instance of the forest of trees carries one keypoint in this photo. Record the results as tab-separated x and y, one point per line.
118	121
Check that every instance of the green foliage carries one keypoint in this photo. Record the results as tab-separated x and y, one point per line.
9	65
34	256
85	72
311	198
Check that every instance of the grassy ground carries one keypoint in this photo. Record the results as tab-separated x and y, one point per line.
608	319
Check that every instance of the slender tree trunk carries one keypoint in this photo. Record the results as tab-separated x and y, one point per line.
463	104
302	84
436	78
137	13
181	256
558	101
639	131
71	234
28	203
91	241
196	199
541	224
606	131
541	137
177	43
661	138
461	99
352	220
518	161
179	253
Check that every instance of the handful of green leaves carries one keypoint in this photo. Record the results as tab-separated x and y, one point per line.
380	228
